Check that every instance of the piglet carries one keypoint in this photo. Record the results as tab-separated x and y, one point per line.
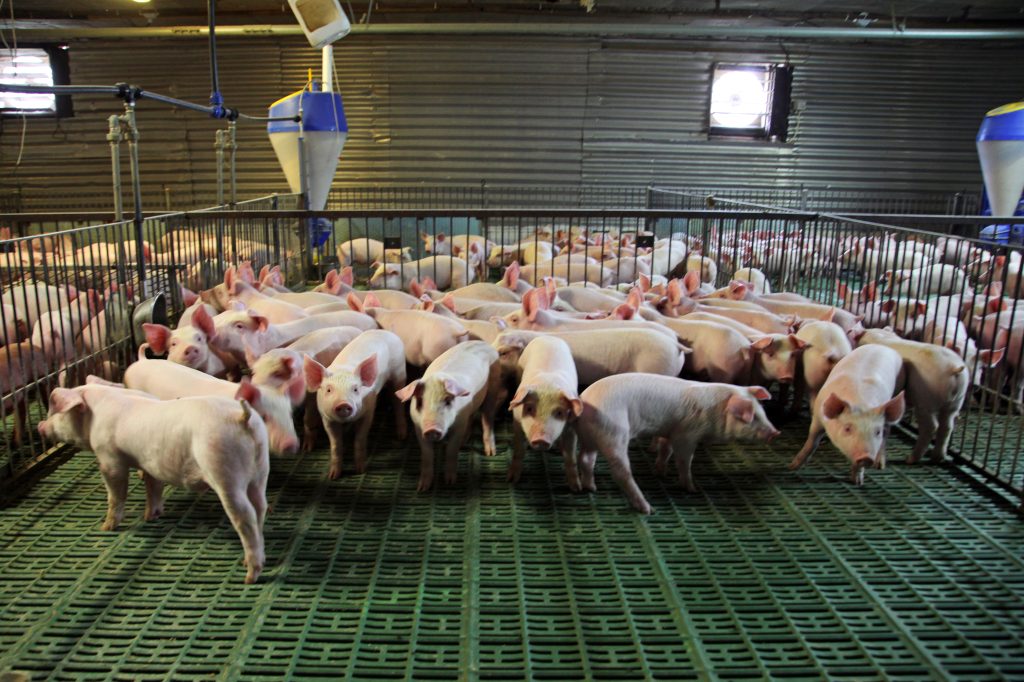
20	365
188	345
825	344
463	380
545	403
195	443
684	413
347	390
855	407
426	336
937	381
170	381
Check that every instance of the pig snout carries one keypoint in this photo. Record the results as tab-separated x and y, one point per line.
432	432
771	435
862	461
344	410
539	444
287	445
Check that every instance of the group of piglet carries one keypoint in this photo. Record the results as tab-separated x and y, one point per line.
672	360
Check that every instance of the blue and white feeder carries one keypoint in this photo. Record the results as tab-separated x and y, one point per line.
308	149
1001	152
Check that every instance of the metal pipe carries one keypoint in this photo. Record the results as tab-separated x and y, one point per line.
133	156
610	29
114	136
327	66
233	175
216	101
218	144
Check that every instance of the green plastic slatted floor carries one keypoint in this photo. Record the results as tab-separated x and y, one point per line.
765	573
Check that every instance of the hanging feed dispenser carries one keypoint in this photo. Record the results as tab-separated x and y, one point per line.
1001	152
310	141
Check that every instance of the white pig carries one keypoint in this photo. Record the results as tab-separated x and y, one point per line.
684	413
426	336
365	251
170	381
827	344
446	271
937	381
545	403
463	380
855	407
347	391
188	345
195	443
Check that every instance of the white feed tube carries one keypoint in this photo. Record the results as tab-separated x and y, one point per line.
328	68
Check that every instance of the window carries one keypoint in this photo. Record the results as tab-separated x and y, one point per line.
750	101
36	65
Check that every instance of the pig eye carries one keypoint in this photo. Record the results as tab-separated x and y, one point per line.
174	343
239	325
448	400
847	429
328	389
559	414
355	389
878	432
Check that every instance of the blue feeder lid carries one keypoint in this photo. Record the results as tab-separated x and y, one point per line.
321	111
1003	123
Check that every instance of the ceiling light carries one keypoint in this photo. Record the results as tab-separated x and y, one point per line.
141	2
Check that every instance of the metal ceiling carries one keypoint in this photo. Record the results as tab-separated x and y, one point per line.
878	12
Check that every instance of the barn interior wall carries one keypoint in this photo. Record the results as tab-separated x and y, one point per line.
460	110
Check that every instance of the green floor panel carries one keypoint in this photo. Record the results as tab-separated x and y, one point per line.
765	573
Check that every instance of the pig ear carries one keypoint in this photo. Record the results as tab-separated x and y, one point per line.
296	390
991	358
331	279
996	304
229	277
623	311
530	306
188	297
574	402
888	306
247	392
427	303
763	343
440	237
645	283
456	250
759	392
452	388
842	291
869	292
354	303
405	394
202	321
741	408
262	323
691	281
157	336
893	410
635	298
833	406
798	343
346	276
367	370
415	288
920	308
314	373
511	276
519	397
93	380
66	399
264	271
429	284
448	301
675	292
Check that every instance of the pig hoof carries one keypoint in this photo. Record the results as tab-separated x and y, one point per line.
154	515
308	444
643	508
334	474
794	465
450	479
661	469
513	476
424	485
360	467
109	525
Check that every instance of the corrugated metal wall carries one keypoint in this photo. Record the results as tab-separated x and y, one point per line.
460	110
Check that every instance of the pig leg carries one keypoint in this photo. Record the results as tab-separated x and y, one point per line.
568	444
684	449
401	421
495	395
942	436
799	391
154	498
927	425
426	464
856	474
362	431
245	519
587	460
20	421
515	467
334	433
451	451
664	454
617	455
814	436
311	423
115	476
